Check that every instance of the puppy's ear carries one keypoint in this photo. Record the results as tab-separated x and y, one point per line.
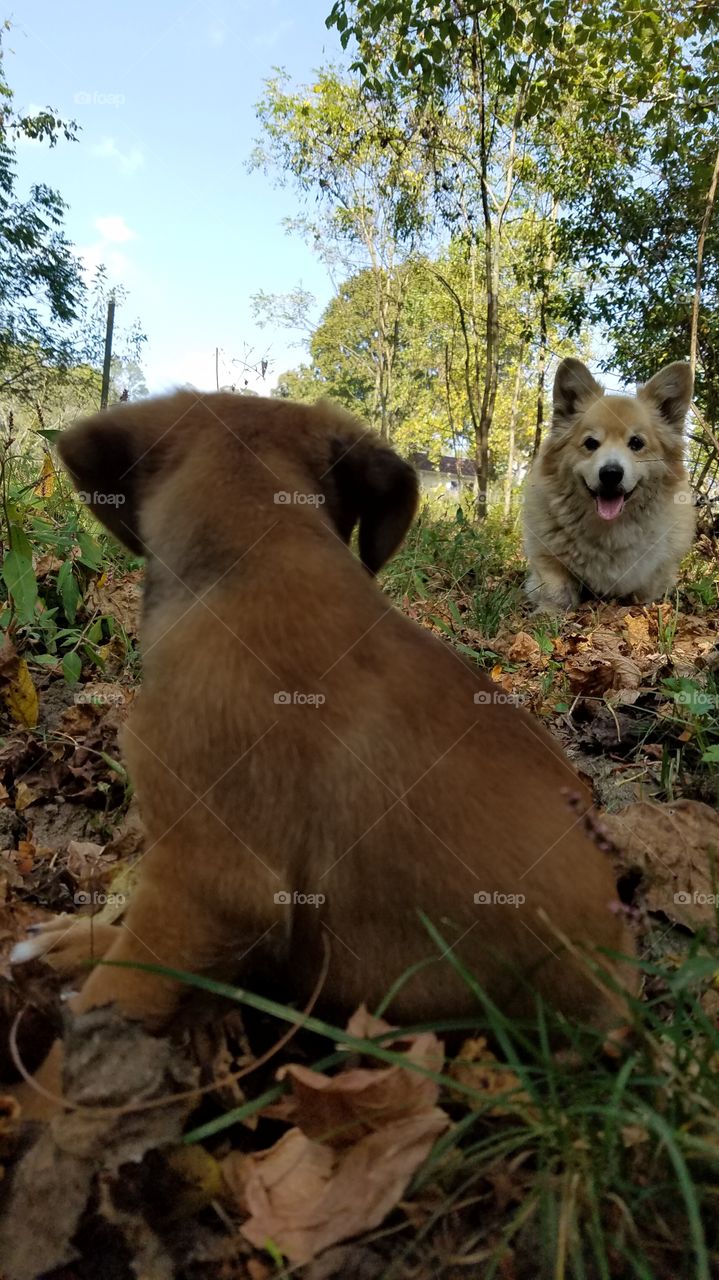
370	483
670	393
102	455
574	389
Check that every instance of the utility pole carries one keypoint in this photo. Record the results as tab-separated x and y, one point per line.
108	352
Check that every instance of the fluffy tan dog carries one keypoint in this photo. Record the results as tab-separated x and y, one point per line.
313	767
608	507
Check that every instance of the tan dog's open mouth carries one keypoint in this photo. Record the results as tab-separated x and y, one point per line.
608	508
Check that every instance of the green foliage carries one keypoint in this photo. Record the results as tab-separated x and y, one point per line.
696	717
41	288
50	556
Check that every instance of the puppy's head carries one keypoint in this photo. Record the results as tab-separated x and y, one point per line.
194	452
611	448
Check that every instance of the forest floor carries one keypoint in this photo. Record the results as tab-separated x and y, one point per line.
506	1160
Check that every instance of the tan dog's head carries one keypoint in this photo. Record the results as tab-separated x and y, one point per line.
260	452
611	448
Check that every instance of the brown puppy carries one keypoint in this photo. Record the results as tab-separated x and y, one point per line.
310	763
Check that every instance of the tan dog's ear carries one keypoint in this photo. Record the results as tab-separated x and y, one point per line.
369	482
670	393
574	389
102	455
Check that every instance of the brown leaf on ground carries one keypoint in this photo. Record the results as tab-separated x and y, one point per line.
361	1135
477	1067
524	648
25	796
342	1108
17	690
128	838
118	597
600	665
638	634
221	1049
676	848
306	1196
109	1062
84	863
46	564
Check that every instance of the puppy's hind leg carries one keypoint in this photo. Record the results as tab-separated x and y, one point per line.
177	920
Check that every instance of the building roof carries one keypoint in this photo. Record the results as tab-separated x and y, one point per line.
447	465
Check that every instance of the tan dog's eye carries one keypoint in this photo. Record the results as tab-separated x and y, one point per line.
636	443
590	444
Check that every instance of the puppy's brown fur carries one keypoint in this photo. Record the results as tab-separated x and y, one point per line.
390	791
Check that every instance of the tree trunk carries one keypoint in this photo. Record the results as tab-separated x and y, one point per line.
706	222
549	265
491	372
541	371
512	429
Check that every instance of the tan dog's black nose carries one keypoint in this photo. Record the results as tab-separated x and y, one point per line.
610	477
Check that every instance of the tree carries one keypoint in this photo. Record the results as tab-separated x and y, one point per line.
648	238
492	91
41	288
330	141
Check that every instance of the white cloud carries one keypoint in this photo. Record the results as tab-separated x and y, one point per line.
126	161
114	229
117	265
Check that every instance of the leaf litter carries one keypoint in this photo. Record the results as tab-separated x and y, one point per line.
607	680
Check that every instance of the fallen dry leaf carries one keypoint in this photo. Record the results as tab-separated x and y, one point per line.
109	1061
360	1136
600	666
46	564
478	1067
676	848
84	863
342	1108
638	634
16	687
524	648
118	597
305	1196
25	796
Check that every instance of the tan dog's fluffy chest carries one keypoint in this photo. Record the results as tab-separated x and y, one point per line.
624	558
608	508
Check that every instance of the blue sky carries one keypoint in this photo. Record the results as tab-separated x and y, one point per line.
157	184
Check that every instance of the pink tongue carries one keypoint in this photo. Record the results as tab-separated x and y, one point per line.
610	508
